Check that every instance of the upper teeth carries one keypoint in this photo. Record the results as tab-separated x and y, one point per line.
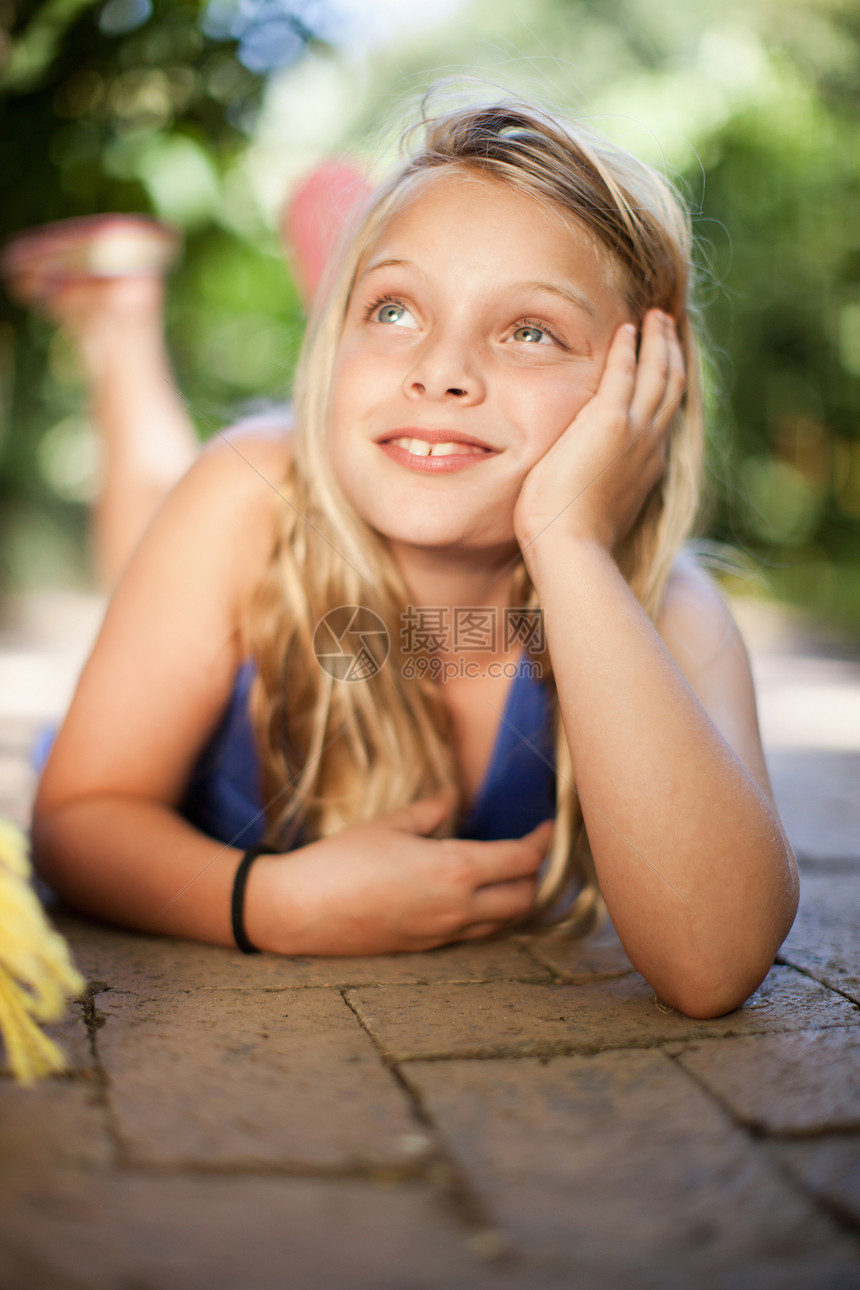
419	448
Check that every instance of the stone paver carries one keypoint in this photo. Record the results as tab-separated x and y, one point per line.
776	1274
243	1070
620	1157
59	1123
143	1232
511	1018
142	964
825	938
582	959
802	1082
255	1121
828	1166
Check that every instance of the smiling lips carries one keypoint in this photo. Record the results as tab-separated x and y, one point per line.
439	451
420	448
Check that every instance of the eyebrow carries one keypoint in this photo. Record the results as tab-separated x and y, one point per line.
568	294
384	264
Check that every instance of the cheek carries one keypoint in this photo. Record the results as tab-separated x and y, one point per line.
551	409
358	380
348	379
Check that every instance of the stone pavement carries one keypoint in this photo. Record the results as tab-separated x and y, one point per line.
519	1114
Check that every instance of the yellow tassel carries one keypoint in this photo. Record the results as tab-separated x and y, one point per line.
37	974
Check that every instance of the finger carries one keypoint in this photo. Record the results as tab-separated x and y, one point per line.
541	836
503	901
677	382
619	375
652	374
540	831
506	860
479	930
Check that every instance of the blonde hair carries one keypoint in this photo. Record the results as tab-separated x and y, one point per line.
349	751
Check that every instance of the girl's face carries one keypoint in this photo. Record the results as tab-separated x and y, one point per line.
479	324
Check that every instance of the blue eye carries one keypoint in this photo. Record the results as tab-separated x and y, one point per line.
532	335
392	313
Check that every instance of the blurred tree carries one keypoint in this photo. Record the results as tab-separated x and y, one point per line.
782	178
139	106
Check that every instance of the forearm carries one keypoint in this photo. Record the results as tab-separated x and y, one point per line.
137	863
689	853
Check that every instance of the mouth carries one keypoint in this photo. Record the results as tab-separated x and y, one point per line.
419	442
434	452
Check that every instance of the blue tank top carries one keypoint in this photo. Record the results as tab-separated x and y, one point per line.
224	800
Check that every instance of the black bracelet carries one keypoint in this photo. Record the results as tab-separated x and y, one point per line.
237	904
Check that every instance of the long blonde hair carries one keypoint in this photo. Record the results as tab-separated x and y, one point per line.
351	750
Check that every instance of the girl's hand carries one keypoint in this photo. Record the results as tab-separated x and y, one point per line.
382	887
593	481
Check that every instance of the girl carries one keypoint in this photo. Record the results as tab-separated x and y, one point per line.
498	423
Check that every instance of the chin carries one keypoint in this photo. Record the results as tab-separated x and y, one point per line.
449	539
431	537
426	525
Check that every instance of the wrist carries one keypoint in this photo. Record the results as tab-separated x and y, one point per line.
254	911
548	551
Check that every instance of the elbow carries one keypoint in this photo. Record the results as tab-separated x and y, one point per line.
703	996
49	845
706	1005
705	984
43	846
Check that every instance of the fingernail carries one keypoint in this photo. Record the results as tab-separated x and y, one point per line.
630	330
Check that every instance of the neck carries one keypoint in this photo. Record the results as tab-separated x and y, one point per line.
445	580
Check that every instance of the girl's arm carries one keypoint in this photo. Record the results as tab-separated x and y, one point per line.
106	831
137	863
690	855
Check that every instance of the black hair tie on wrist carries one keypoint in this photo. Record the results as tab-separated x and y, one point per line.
237	904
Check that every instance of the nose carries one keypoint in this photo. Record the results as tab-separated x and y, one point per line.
443	372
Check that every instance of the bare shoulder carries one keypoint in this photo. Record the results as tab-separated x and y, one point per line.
697	627
242	474
264	446
694	620
217	526
164	662
265	439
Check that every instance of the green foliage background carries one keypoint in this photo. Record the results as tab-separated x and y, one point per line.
752	108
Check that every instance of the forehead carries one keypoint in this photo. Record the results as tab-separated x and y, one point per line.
469	220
